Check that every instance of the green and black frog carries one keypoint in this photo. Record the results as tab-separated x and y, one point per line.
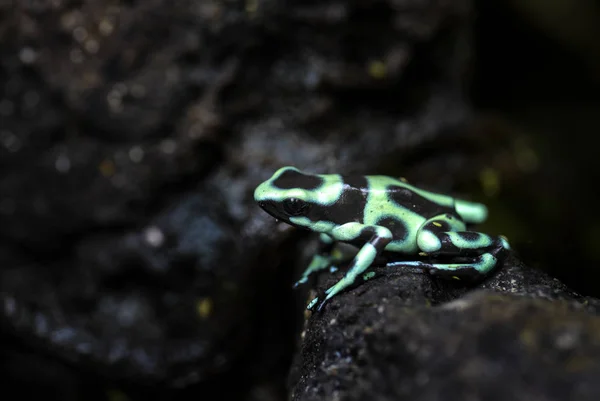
380	214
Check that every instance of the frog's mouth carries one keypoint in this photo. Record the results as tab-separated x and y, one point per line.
271	208
275	209
266	206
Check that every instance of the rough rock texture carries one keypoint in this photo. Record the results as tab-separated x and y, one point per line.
518	335
132	135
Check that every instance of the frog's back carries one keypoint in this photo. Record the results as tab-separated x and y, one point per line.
401	208
425	203
404	208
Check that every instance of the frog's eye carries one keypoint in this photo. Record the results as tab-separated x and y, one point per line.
294	206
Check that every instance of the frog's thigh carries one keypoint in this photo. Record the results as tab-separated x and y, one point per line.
442	235
445	235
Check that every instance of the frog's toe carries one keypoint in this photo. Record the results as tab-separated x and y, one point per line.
312	304
300	282
321	304
317	303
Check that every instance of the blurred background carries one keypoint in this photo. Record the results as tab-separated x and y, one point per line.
537	74
134	264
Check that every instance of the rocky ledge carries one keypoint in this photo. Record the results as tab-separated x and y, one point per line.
518	335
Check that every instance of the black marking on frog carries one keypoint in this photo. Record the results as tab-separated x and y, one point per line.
349	207
408	199
291	179
470	236
396	226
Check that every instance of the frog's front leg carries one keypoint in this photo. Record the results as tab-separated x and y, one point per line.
447	235
323	258
377	239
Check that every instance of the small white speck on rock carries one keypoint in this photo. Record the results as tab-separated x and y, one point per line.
62	164
10	306
10	141
80	34
168	146
136	154
27	55
106	27
154	236
92	46
567	339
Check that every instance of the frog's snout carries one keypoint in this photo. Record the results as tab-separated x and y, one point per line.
270	207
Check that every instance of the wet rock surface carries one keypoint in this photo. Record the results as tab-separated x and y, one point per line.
518	335
133	258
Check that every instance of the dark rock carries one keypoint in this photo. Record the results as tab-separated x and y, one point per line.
518	335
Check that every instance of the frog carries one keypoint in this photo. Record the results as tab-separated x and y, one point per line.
380	215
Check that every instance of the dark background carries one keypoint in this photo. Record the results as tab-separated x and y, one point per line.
537	69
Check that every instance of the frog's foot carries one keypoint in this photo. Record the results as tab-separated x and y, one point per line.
330	292
300	282
326	296
312	304
321	262
318	263
480	265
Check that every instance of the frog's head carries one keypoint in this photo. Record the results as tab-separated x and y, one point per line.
296	197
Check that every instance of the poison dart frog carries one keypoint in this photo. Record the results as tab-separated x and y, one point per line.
378	213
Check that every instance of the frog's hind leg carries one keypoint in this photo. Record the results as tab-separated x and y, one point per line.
446	235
